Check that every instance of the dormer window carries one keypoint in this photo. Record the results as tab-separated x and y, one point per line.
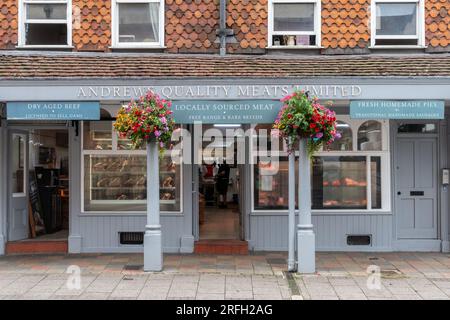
397	23
294	23
45	23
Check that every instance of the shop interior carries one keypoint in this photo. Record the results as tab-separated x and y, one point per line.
48	184
219	215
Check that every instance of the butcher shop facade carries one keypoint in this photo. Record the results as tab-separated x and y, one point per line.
383	186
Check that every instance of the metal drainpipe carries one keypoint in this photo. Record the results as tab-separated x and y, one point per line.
222	31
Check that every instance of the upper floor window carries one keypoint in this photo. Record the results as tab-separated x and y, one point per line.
397	23
138	23
294	23
45	23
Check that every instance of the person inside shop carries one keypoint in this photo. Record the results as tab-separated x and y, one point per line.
223	179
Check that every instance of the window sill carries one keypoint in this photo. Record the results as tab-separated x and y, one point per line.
396	47
45	47
294	47
316	212
131	47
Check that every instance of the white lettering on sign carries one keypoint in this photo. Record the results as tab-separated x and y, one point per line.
218	91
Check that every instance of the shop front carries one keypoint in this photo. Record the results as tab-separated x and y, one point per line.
382	187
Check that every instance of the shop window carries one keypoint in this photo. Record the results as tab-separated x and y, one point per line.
398	23
294	23
369	136
45	23
351	180
271	183
114	178
138	23
417	128
345	143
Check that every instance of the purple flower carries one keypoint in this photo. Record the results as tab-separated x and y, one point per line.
319	135
163	120
157	133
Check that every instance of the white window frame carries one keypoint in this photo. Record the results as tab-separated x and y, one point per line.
114	152
420	25
22	12
136	45
384	155
317	24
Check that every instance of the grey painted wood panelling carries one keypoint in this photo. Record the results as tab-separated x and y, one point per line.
101	233
269	232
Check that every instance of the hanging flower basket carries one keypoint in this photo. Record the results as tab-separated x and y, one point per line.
147	119
303	117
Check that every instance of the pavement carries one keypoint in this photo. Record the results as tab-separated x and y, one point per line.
260	276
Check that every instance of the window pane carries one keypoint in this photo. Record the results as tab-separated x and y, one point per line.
396	18
339	183
271	186
118	183
266	139
18	163
369	136
45	34
46	11
417	128
97	135
375	179
345	143
138	22
294	40
293	17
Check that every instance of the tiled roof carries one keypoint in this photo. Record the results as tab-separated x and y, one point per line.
171	66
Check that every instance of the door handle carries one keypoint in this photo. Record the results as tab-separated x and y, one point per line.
399	193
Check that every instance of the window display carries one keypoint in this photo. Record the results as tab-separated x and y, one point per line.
369	136
271	184
339	182
347	177
116	181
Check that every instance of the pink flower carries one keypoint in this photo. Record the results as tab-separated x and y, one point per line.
286	98
157	133
163	120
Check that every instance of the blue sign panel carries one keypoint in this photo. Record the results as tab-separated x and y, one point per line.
65	110
226	111
397	109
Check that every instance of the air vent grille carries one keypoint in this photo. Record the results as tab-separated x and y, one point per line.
359	240
131	238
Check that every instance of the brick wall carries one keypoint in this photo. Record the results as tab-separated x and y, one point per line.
91	25
437	21
191	25
345	26
8	24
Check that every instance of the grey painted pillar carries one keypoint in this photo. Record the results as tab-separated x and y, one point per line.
306	245
75	241
3	189
291	223
153	258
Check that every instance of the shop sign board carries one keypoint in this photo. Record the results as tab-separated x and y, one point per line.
226	111
53	110
397	109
